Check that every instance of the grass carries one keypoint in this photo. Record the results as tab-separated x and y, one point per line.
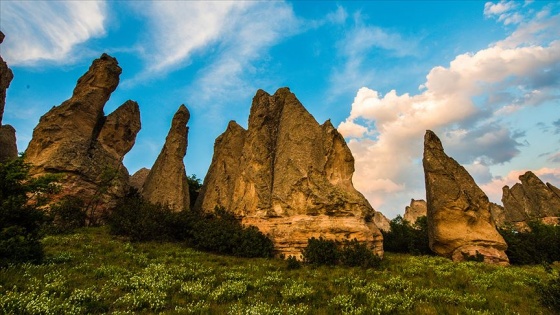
93	272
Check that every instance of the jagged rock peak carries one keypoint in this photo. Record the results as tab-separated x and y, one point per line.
76	139
167	182
289	176
8	147
138	179
460	224
530	200
416	209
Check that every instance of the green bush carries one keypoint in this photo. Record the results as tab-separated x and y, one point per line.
67	215
321	252
540	244
20	219
356	254
194	188
293	263
329	252
407	238
549	293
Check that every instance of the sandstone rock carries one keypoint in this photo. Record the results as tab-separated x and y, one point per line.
530	200
138	179
167	181
459	220
288	176
8	147
382	222
77	141
417	208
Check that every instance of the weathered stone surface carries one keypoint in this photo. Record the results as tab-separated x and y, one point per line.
138	179
417	208
77	141
530	200
459	220
8	146
289	176
167	181
381	221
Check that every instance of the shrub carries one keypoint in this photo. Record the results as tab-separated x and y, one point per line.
67	215
321	252
20	219
407	238
549	293
293	263
356	254
194	188
539	244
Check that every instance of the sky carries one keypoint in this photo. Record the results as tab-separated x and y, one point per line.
485	76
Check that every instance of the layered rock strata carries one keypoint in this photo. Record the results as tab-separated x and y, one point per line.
416	209
529	200
288	176
83	146
166	182
460	225
8	146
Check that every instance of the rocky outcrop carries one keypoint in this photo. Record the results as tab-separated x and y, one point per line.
459	221
8	147
138	179
382	222
167	183
530	200
417	208
288	176
83	146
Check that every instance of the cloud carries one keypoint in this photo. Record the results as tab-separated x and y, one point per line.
556	125
48	30
554	158
494	188
502	11
461	103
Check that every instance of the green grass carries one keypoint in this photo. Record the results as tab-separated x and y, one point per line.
93	272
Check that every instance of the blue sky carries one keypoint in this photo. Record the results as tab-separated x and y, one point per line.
483	75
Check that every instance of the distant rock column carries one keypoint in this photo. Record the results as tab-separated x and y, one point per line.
86	148
8	146
166	182
459	221
417	208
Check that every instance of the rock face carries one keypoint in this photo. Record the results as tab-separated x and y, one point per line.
382	222
459	221
8	147
138	179
85	147
530	200
417	208
167	181
288	176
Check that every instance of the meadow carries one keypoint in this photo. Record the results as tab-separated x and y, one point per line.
93	272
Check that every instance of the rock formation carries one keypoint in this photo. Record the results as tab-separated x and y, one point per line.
417	208
85	147
138	179
529	200
8	147
382	222
459	221
288	176
167	181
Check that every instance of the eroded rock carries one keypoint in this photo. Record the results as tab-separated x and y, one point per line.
138	179
8	146
460	225
416	209
382	222
289	176
86	148
167	181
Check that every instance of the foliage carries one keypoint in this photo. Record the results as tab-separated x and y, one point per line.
539	244
407	238
66	216
218	232
91	272
292	263
329	252
20	219
549	293
194	188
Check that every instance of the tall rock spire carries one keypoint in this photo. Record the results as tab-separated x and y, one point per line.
8	147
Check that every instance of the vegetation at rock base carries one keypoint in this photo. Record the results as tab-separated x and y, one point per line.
541	243
407	238
93	272
351	253
20	219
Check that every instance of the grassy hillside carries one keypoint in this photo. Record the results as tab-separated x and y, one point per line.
93	272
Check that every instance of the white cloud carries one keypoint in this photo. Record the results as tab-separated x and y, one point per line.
48	30
454	102
500	8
